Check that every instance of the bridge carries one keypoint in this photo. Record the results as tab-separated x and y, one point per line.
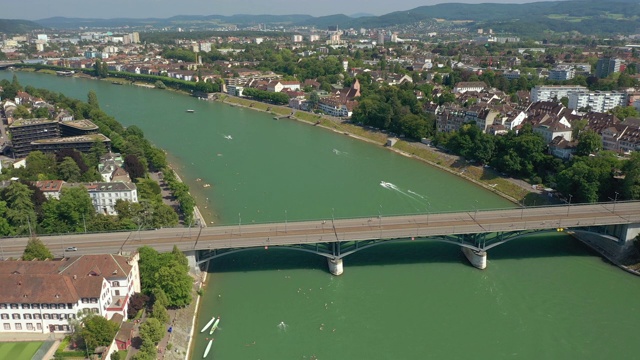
8	63
476	232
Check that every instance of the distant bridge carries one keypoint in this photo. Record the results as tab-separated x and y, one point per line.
6	64
475	232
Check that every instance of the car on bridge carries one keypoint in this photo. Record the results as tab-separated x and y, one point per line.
71	248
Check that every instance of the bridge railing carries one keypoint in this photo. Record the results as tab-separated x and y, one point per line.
327	220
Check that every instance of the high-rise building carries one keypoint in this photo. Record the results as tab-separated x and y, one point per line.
598	101
607	66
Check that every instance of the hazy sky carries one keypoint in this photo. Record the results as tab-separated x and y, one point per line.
40	9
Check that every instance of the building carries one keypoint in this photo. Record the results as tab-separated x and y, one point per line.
553	92
81	143
598	101
50	188
462	87
562	72
622	137
607	66
25	131
40	296
296	38
77	128
104	195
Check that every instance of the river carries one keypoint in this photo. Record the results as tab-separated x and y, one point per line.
544	296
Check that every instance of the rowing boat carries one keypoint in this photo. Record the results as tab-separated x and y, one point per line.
214	326
206	351
213	318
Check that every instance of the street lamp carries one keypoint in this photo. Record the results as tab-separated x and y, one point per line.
614	202
239	224
569	207
285	221
380	216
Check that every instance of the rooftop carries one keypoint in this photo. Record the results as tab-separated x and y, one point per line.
30	122
81	124
74	139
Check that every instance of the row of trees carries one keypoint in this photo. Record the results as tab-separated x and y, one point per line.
277	98
585	178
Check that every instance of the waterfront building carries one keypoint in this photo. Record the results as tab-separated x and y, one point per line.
80	143
77	128
41	296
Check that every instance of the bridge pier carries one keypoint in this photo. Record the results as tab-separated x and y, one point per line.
476	258
192	261
335	266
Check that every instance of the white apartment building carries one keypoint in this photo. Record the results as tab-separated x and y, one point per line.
105	195
598	101
40	296
554	92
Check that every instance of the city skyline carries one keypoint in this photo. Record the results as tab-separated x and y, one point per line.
41	9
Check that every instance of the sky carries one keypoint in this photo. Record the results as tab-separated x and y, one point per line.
41	9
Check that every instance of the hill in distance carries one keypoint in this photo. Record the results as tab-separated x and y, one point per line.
584	16
11	26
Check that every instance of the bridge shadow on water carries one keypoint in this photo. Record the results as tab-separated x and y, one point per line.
398	253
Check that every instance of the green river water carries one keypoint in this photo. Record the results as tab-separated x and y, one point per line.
542	297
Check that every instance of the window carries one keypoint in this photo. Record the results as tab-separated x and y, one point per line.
54	306
29	326
117	292
116	283
27	316
94	300
37	316
61	306
38	326
3	306
94	310
7	326
45	306
14	306
18	326
26	306
35	306
46	316
69	306
15	316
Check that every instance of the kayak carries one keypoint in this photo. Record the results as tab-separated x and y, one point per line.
208	324
206	351
214	326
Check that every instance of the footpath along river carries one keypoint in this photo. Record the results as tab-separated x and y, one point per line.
544	296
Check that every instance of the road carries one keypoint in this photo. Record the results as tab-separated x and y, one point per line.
322	231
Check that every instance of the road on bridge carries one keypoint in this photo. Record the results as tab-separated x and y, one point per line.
323	231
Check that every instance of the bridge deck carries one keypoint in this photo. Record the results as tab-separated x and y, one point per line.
322	231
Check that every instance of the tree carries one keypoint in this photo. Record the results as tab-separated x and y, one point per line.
137	302
36	250
152	329
70	213
160	85
160	312
5	227
160	298
623	112
68	170
98	331
92	99
116	356
41	166
134	167
589	142
21	112
20	208
176	283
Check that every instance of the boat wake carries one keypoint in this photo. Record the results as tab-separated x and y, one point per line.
282	326
412	195
228	137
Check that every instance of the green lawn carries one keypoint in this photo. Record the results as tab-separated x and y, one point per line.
19	350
